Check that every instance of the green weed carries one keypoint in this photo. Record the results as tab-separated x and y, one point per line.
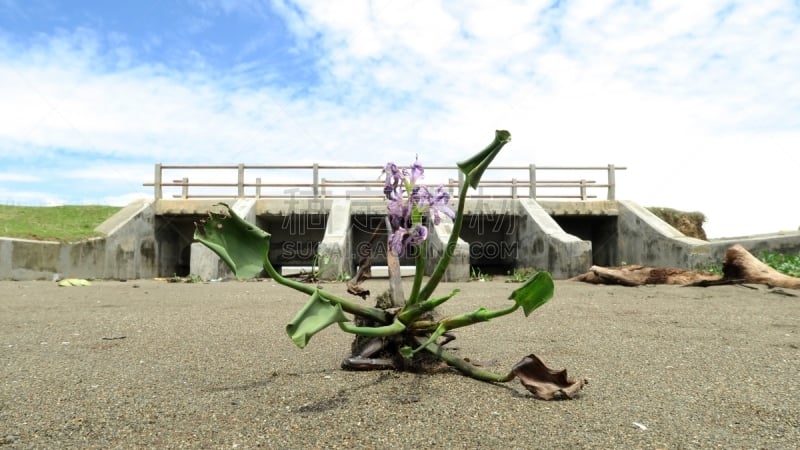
784	263
520	275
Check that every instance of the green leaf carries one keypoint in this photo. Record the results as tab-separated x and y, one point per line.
242	245
316	315
534	293
406	352
474	167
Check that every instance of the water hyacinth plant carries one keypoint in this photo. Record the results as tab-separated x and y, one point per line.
400	332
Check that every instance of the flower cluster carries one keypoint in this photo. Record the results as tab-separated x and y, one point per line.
409	203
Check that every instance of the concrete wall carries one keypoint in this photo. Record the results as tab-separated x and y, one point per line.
544	245
647	240
783	242
128	250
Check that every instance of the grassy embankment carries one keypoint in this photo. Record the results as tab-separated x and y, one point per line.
56	223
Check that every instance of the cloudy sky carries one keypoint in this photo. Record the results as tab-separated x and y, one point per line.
699	100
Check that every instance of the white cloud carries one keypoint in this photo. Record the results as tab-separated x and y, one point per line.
698	99
18	177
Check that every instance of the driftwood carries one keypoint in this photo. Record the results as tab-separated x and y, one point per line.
739	266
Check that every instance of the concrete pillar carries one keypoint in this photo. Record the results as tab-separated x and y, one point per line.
544	245
335	252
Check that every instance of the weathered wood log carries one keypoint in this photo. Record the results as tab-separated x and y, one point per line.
634	275
738	266
741	264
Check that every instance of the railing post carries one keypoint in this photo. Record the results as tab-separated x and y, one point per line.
532	181
157	182
583	190
322	192
184	187
315	185
258	188
240	182
514	188
612	182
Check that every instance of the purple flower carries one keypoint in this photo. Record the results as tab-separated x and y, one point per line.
418	234
439	204
419	196
406	213
403	237
416	171
393	180
399	212
396	241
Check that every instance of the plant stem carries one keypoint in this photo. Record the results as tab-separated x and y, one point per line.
465	367
353	308
419	273
450	248
479	315
410	314
387	330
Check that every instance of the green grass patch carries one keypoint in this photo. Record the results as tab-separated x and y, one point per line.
783	263
53	223
786	264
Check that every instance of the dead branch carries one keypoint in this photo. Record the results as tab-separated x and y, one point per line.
739	266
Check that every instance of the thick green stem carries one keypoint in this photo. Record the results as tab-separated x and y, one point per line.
419	273
463	320
410	314
304	288
450	248
353	308
479	315
387	330
465	367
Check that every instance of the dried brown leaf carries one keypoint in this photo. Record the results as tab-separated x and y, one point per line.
545	383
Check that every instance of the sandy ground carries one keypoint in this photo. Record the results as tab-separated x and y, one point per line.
153	364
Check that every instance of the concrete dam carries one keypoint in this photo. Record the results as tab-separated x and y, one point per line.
325	216
154	238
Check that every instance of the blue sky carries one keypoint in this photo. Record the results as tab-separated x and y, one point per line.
699	100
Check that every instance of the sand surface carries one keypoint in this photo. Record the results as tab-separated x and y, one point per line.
153	364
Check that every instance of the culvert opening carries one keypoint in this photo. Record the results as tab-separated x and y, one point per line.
174	236
295	238
492	239
600	230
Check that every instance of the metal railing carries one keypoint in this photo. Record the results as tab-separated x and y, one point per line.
513	182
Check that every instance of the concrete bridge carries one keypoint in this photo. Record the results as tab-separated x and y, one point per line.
153	238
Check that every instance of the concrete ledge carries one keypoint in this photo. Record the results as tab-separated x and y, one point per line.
787	242
24	259
647	240
543	245
336	249
122	217
129	250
